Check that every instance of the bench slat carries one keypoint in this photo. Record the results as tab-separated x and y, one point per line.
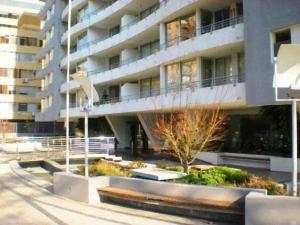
125	193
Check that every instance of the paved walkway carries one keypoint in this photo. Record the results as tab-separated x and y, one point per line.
22	203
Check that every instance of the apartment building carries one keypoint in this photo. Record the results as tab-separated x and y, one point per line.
148	56
18	46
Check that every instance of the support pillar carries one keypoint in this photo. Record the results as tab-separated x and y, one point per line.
162	35
199	71
163	79
294	147
198	21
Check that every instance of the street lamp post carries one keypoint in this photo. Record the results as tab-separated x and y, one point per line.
86	109
67	120
287	78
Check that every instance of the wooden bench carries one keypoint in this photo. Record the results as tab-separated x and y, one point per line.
202	208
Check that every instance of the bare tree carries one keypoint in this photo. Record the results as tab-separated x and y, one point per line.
190	131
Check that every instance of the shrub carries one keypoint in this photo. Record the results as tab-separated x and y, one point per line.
216	176
104	168
265	183
136	165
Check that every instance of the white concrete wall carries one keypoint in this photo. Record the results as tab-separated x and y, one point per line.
129	55
129	90
272	210
78	188
128	20
282	164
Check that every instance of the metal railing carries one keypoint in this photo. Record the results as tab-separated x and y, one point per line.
19	145
122	28
168	43
176	88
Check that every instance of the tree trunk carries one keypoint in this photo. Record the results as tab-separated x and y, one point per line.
186	168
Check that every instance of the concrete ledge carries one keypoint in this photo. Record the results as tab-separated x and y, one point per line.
78	188
273	163
18	170
271	210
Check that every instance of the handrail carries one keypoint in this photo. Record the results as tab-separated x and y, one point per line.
174	41
122	28
177	88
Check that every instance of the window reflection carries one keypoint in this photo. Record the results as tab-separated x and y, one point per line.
173	32
188	27
182	28
182	74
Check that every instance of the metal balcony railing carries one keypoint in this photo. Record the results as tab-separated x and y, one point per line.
176	88
167	44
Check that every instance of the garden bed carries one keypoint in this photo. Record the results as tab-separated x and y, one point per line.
211	175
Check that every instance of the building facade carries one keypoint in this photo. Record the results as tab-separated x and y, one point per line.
145	56
18	46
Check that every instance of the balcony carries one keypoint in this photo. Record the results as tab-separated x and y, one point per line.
228	37
227	91
48	24
76	4
45	8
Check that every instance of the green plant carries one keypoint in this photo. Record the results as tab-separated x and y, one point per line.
136	165
104	168
216	176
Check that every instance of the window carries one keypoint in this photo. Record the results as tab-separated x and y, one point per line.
3	89
241	64
82	40
182	28
150	87
173	32
188	27
115	30
182	74
207	65
223	66
281	37
188	71
222	18
148	11
173	74
149	48
4	39
114	62
22	107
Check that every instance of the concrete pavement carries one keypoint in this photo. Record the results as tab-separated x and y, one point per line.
22	203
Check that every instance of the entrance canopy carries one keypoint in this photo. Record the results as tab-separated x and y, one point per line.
288	67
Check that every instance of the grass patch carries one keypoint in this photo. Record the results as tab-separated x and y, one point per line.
104	168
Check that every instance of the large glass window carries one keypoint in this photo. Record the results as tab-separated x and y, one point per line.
82	40
188	27
182	28
241	63
173	32
223	66
222	18
150	86
188	72
182	74
149	48
115	30
114	62
173	75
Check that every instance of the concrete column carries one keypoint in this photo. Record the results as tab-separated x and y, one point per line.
199	71
163	79
162	35
121	130
198	21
